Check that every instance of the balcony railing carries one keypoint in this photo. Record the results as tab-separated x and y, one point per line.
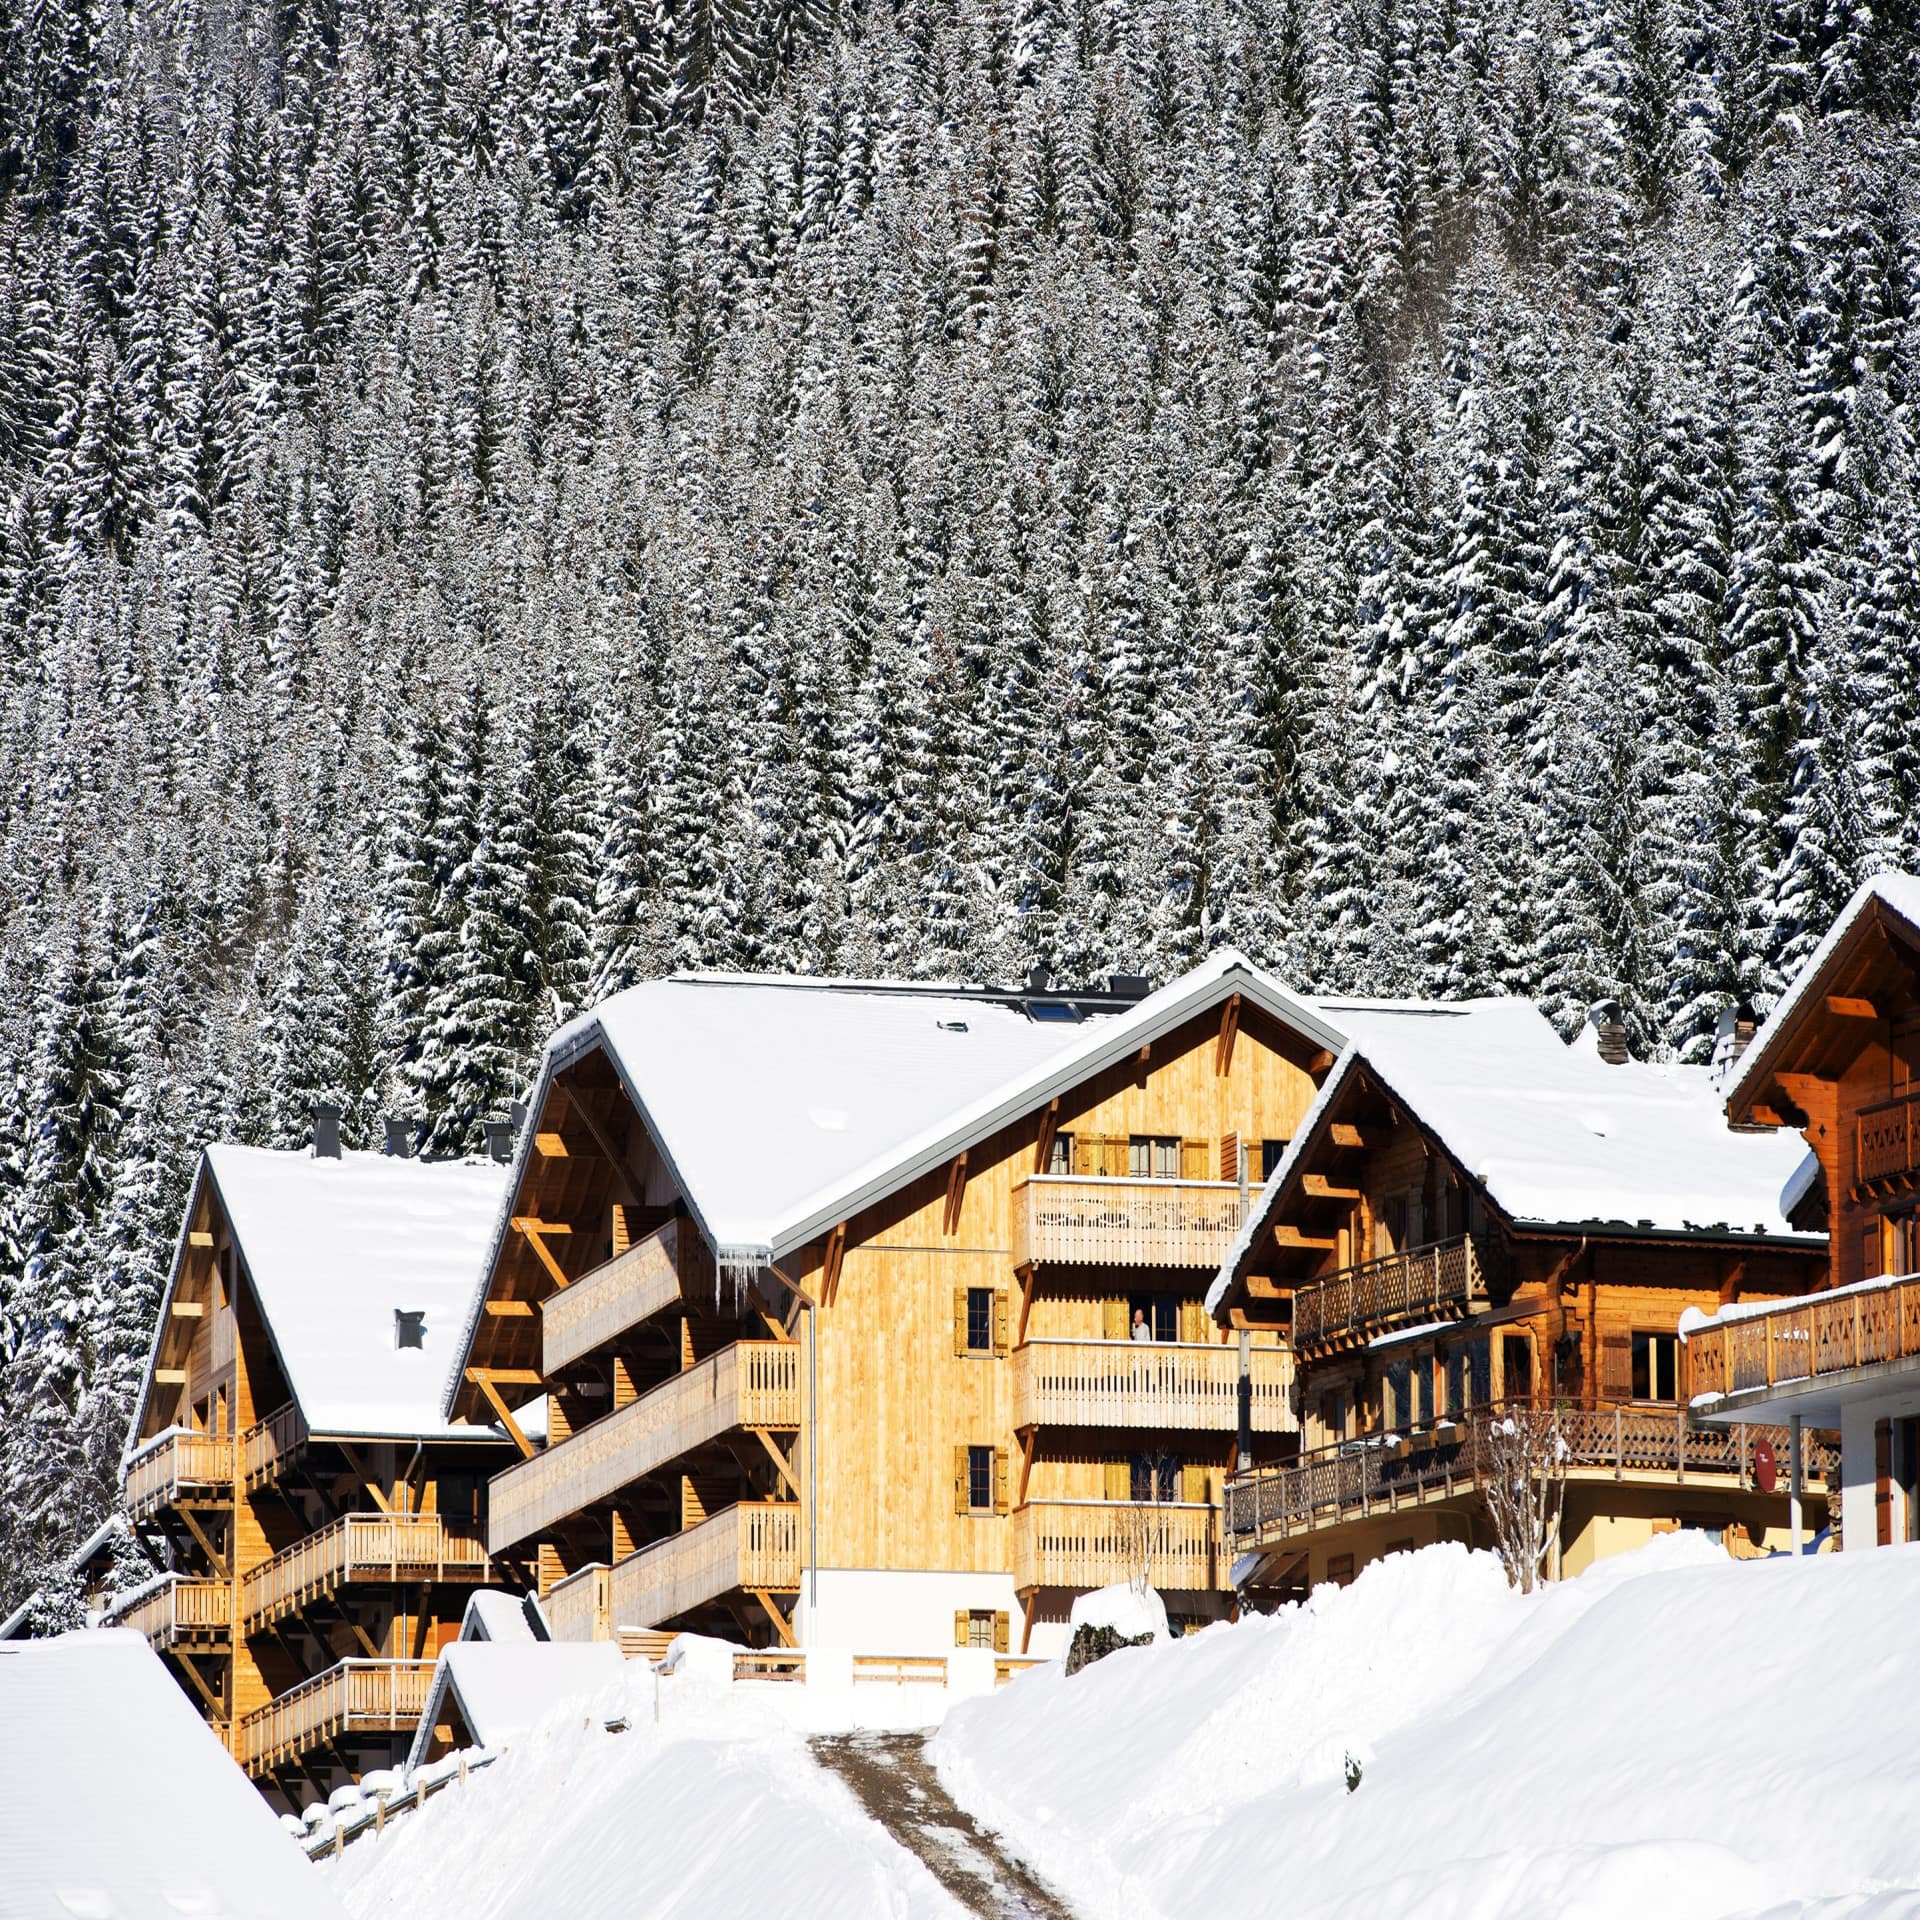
382	1549
753	1383
176	1468
1071	1221
1377	1476
268	1449
755	1544
1807	1339
669	1266
1137	1383
1095	1543
179	1613
580	1607
1887	1138
356	1697
1398	1289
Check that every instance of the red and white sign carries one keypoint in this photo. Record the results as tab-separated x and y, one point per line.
1766	1469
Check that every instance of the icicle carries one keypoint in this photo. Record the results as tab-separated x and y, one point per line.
736	1277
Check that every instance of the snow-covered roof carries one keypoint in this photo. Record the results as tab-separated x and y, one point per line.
502	1617
1555	1135
333	1248
1899	893
503	1688
120	1800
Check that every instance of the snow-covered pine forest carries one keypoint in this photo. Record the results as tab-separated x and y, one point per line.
495	503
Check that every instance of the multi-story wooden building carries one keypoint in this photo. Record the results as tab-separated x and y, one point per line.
1838	1060
319	1520
1475	1216
872	1315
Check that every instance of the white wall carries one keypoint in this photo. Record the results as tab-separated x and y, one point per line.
875	1612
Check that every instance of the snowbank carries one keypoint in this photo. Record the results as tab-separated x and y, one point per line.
715	1811
1671	1733
1127	1610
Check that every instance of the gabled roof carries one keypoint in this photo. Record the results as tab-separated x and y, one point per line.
332	1248
1555	1136
1893	894
504	1688
783	1105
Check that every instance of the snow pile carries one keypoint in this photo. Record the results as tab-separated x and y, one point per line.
1671	1733
714	1810
1131	1612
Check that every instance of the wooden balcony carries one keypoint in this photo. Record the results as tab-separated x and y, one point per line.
754	1383
1639	1445
189	1614
748	1548
1806	1340
370	1549
179	1470
1439	1282
1886	1142
1095	1543
1137	1383
671	1266
268	1449
355	1698
580	1606
1066	1221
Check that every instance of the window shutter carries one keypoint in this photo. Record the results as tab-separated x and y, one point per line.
1086	1153
1229	1156
1870	1261
959	1320
961	1503
1194	1489
1113	1319
1616	1366
1119	1480
1002	1632
1195	1324
959	1626
999	1479
1193	1160
999	1319
1117	1154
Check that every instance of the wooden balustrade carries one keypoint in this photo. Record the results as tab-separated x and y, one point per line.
1886	1138
753	1383
178	1613
1399	1289
579	1607
1649	1443
179	1467
362	1548
1138	1383
270	1447
754	1545
1095	1543
671	1266
1806	1339
1123	1223
355	1697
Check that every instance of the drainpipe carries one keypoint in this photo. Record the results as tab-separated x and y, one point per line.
1246	1400
1793	1484
813	1468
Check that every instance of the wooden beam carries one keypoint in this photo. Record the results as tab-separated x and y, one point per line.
1024	1274
1345	1134
1049	1126
1322	1062
550	1146
1229	1028
1028	1441
792	1285
200	1237
778	1458
534	1231
353	1459
510	1309
507	1376
188	1309
627	1192
1292	1237
483	1379
774	1614
956	1193
1316	1186
207	1547
1260	1287
169	1376
1849	1006
214	1710
830	1268
368	1644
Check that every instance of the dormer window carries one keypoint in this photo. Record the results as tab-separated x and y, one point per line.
409	1327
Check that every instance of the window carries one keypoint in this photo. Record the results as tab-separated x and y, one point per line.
1399	1546
1160	1311
1872	1258
1480	1371
980	1479
1272	1152
980	1627
1390	1228
1060	1154
1340	1569
979	1319
1516	1365
1333	1416
1398	1394
1155	1477
1153	1156
1654	1366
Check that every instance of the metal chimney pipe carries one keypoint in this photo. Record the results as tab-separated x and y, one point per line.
500	1141
399	1138
326	1130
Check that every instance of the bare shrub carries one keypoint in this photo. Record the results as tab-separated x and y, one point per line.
1525	1489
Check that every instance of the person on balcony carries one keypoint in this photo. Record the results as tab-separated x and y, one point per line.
1142	1327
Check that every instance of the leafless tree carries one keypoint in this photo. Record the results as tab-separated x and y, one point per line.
1525	1488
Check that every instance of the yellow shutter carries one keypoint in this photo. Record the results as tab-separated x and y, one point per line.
999	1319
1195	1323
999	1479
959	1320
1119	1480
1113	1319
1086	1153
1193	1160
1002	1632
959	1626
1229	1156
1117	1156
1195	1488
961	1504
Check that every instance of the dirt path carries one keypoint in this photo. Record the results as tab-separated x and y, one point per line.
890	1775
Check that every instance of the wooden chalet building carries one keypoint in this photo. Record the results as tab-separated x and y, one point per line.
1838	1061
824	1293
319	1520
1476	1215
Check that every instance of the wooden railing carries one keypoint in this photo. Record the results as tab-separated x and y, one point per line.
580	1606
180	1612
1138	1383
1805	1339
1398	1289
1365	1477
1886	1138
357	1696
269	1448
753	1383
755	1544
1094	1543
372	1548
669	1266
179	1467
1123	1223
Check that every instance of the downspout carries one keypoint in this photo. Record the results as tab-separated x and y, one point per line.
813	1468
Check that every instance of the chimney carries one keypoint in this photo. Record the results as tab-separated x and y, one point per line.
1732	1034
500	1141
1128	986
1610	1029
399	1138
326	1131
517	1117
1039	977
409	1327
